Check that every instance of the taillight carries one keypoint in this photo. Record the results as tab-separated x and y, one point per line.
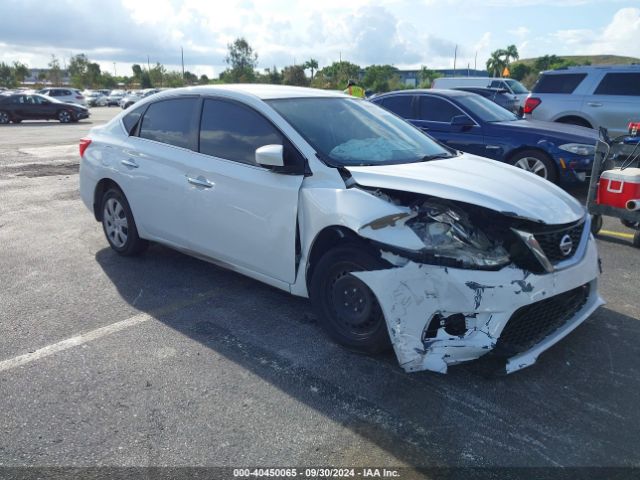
84	144
531	103
634	128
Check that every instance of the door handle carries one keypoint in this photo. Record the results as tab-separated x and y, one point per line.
200	182
129	163
594	104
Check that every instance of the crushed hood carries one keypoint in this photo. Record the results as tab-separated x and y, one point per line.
478	181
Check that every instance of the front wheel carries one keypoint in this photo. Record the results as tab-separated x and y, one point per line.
348	309
64	116
536	162
4	118
596	224
119	226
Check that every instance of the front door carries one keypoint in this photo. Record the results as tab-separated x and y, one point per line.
238	211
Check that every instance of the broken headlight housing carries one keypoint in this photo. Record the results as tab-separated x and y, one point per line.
450	238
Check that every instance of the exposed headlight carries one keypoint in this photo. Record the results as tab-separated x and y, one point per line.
578	148
448	233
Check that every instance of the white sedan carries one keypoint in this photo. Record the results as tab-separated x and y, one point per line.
398	241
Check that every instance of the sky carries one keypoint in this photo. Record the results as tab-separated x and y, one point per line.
404	33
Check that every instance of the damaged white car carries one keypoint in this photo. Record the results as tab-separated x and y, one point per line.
398	240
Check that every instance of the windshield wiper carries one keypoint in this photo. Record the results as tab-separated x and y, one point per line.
436	156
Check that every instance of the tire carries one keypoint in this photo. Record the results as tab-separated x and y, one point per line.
334	292
65	116
4	117
596	224
119	225
636	239
17	120
537	162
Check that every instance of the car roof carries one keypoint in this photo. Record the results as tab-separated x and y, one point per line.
590	68
443	92
262	91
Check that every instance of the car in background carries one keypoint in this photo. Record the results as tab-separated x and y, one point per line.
67	95
589	96
499	96
471	123
114	97
132	98
399	241
512	86
19	106
96	99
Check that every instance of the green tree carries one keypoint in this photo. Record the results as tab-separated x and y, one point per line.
190	78
7	79
519	71
77	69
311	64
94	75
271	76
511	53
173	79
242	61
378	77
108	81
427	76
294	75
204	80
496	63
145	80
20	71
336	75
55	73
137	73
156	75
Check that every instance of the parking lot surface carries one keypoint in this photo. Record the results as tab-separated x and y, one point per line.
168	360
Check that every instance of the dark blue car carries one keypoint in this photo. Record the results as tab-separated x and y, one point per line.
465	121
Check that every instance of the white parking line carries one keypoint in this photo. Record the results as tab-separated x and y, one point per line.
101	332
73	342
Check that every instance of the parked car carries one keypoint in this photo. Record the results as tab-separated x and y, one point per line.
496	95
398	240
590	96
471	123
512	86
113	99
132	98
18	107
96	99
67	95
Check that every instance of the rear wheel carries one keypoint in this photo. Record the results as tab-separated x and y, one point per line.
119	226
64	116
4	118
536	162
596	224
347	308
636	239
17	120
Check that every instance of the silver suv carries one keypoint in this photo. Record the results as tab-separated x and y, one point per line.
591	96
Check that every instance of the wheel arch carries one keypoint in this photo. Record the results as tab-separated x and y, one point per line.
513	153
579	120
101	187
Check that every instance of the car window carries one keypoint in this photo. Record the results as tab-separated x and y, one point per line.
171	121
435	109
131	119
558	83
619	84
401	105
234	132
497	84
516	87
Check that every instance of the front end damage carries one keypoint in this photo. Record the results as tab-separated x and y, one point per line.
480	283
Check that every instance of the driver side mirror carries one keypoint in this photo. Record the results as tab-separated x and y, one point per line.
270	156
462	122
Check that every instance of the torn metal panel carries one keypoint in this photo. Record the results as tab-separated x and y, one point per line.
412	294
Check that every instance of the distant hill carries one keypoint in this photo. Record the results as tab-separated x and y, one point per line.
594	59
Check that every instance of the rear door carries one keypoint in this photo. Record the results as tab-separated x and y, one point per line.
151	163
434	117
616	101
238	211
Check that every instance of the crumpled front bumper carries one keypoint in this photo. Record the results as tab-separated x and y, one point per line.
412	294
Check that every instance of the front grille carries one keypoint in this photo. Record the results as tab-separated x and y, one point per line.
550	242
530	324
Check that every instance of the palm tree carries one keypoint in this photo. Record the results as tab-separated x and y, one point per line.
511	53
496	63
311	64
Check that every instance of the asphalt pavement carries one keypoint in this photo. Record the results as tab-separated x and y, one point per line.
165	360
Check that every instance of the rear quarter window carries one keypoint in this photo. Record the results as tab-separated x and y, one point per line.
559	83
619	84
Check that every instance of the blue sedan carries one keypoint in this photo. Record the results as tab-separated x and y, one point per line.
465	121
